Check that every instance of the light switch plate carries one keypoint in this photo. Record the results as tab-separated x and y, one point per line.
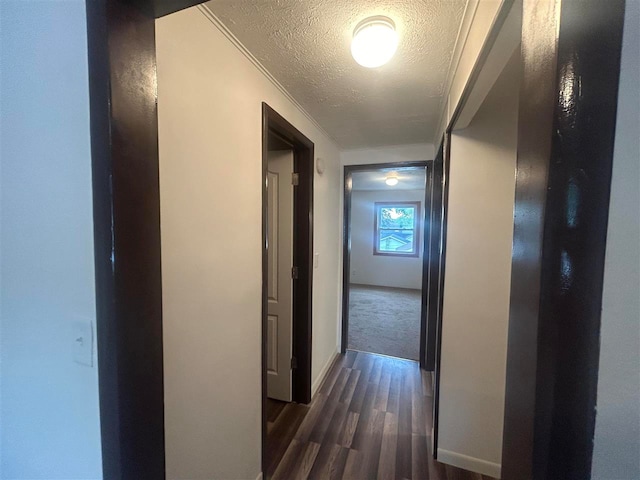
82	342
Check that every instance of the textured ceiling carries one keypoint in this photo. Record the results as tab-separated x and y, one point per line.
305	45
408	179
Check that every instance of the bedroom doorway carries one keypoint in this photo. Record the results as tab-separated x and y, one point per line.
386	211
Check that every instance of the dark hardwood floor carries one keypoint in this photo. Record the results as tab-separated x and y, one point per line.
371	419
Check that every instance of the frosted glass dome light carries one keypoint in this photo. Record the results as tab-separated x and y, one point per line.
374	41
391	180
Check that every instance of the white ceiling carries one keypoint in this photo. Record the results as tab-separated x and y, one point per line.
408	179
305	45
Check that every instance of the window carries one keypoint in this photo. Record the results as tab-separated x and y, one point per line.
395	229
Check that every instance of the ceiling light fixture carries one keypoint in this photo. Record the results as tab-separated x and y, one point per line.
391	180
374	41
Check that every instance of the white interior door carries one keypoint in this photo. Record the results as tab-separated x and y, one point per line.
280	283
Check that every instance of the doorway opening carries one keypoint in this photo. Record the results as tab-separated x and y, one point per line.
386	248
287	271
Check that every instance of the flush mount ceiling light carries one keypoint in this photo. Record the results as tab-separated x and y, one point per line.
374	41
391	180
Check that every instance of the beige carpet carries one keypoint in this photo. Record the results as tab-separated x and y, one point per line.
385	320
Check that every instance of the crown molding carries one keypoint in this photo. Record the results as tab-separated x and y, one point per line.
206	11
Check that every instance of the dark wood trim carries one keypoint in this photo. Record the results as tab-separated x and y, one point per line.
432	265
126	209
160	8
568	101
346	245
439	300
417	226
427	343
346	257
304	165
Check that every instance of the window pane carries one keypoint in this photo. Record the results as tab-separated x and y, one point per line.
397	217
396	241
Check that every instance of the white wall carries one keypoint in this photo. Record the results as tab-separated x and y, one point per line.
478	20
49	404
393	153
210	126
370	269
477	282
617	440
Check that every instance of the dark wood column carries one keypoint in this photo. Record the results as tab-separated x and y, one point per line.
571	56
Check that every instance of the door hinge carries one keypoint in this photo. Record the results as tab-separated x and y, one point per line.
295	179
294	273
294	362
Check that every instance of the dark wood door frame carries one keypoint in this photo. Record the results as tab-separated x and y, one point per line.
566	127
346	244
126	211
437	267
435	255
303	164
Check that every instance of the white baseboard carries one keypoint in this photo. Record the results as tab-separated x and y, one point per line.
469	463
323	373
259	477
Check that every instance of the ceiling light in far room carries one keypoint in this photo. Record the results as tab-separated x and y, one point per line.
391	180
374	41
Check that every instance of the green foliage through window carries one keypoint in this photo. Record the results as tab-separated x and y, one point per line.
396	229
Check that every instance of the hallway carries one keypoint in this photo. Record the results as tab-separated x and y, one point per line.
371	418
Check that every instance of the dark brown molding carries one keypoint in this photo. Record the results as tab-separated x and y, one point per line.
443	214
346	244
273	124
126	208
432	264
427	342
568	101
160	8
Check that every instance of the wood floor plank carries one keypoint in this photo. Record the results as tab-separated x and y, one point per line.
419	467
329	408
382	395
331	438
353	466
372	444
387	462
418	422
307	460
349	429
366	411
331	467
274	408
335	370
363	382
282	432
311	419
376	370
349	358
393	402
403	454
286	467
428	414
454	473
373	420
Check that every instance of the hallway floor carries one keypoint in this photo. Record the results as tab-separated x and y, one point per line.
385	320
370	419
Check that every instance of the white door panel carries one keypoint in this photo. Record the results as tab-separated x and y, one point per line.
279	283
